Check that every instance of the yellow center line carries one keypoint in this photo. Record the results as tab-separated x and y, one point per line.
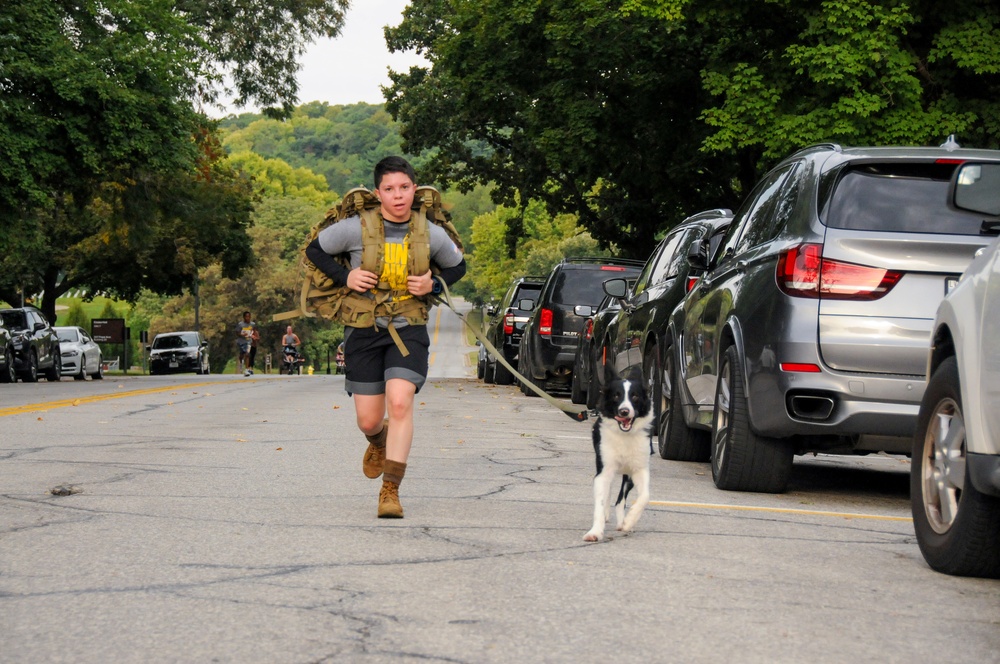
63	403
437	328
780	510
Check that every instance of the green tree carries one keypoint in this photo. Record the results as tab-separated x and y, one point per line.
634	117
575	104
76	316
109	177
852	71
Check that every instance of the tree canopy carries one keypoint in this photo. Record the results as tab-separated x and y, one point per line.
634	115
110	175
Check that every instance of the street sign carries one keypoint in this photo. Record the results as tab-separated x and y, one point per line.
108	330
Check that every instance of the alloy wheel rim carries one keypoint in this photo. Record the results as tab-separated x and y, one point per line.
722	419
942	465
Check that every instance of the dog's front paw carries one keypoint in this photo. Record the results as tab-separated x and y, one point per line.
592	536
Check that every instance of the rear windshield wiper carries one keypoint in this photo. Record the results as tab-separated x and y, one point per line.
990	227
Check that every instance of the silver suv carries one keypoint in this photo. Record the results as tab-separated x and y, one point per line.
810	331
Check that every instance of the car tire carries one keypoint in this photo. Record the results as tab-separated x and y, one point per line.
9	374
501	374
54	373
481	368
677	441
99	374
522	367
489	372
82	373
594	380
957	527
30	375
654	384
577	393
741	459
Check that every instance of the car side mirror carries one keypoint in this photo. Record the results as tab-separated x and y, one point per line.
149	348
490	310
697	256
583	310
39	326
526	305
204	344
975	187
617	288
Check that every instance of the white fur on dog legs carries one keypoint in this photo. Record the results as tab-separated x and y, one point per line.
641	480
602	506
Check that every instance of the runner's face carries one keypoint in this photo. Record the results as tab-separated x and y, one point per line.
395	191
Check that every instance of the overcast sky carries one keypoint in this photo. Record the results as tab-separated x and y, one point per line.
351	67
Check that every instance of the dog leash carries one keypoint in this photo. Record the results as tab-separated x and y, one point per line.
575	413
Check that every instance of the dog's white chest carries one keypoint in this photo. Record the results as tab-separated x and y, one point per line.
625	451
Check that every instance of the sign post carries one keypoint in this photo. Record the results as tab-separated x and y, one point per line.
111	331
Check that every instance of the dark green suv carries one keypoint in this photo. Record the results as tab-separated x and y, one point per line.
36	345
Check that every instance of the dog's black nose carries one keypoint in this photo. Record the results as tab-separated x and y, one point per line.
623	412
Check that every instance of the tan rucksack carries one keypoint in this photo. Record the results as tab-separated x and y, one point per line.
318	296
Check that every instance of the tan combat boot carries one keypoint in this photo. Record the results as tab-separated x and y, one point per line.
388	498
375	454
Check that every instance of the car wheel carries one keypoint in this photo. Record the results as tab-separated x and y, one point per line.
82	373
654	384
957	527
577	393
742	460
677	441
501	374
99	374
522	368
9	374
54	373
489	371
594	380
481	367
30	374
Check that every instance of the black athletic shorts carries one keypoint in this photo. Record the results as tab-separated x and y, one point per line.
372	358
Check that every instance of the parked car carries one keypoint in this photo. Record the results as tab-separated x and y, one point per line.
955	469
505	327
589	360
36	346
809	333
81	356
8	371
174	352
638	333
569	295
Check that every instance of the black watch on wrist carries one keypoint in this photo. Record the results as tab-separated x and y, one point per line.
436	288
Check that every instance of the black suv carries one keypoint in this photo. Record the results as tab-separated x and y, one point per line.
569	296
36	345
636	338
8	374
505	327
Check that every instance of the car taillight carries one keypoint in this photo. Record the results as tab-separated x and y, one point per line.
545	322
803	272
588	329
508	324
690	284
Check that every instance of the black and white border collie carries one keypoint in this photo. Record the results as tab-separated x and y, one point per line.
623	443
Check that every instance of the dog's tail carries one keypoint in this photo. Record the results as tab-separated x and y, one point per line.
626	486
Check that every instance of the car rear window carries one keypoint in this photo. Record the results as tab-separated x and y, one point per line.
902	198
13	320
584	286
526	293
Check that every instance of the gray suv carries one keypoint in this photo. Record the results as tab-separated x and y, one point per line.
810	331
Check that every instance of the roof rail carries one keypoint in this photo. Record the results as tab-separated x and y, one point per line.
602	259
829	145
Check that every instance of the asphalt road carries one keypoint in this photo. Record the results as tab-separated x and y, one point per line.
226	519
